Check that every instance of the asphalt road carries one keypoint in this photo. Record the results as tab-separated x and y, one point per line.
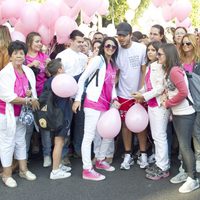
118	185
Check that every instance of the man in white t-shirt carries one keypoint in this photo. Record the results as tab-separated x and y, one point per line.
74	63
131	63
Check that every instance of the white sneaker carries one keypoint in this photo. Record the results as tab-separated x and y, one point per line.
151	159
10	182
59	174
47	161
27	175
189	185
65	168
128	161
142	161
179	178
198	166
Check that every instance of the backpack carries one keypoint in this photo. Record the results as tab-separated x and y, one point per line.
194	86
49	116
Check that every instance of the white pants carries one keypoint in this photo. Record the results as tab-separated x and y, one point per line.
97	144
91	118
12	143
159	117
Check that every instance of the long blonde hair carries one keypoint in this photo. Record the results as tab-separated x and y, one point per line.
196	48
5	40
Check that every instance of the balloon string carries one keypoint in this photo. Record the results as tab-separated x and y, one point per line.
111	103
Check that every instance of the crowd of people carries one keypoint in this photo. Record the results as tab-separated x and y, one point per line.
122	71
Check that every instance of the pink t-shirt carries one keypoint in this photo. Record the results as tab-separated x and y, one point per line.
188	67
41	77
152	102
20	88
103	103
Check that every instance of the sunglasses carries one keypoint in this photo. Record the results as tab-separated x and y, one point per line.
186	43
160	54
110	46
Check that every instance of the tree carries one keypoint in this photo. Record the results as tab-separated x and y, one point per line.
195	14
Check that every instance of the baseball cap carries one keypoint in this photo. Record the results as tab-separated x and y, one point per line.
124	28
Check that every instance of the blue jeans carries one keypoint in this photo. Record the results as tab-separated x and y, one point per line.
77	130
183	125
46	142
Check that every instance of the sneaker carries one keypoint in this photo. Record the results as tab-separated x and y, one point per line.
47	161
65	168
91	174
66	161
59	174
179	178
198	166
158	174
142	161
151	169
151	159
109	160
189	185
27	175
102	164
10	182
128	161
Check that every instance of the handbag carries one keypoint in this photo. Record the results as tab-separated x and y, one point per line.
26	116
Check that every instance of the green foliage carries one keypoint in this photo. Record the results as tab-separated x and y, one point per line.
117	11
195	14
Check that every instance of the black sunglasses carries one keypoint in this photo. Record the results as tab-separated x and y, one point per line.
186	43
108	46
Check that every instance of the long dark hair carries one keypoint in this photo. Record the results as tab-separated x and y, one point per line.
156	45
172	57
114	56
161	31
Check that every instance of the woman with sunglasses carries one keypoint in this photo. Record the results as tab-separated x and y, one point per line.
183	114
158	115
99	96
190	59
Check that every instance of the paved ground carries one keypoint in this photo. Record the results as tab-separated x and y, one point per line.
119	185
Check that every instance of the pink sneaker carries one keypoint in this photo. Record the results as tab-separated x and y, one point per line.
102	164
91	174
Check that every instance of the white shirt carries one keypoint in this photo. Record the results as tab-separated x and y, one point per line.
74	62
129	61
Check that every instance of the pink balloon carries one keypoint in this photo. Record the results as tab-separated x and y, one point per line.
167	13
71	3
90	6
64	26
48	14
86	19
103	9
182	9
109	124
64	9
136	118
15	35
46	34
12	8
170	2
157	3
64	85
185	23
30	18
75	10
19	26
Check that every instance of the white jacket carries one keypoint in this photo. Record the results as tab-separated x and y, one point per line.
93	92
7	94
157	77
